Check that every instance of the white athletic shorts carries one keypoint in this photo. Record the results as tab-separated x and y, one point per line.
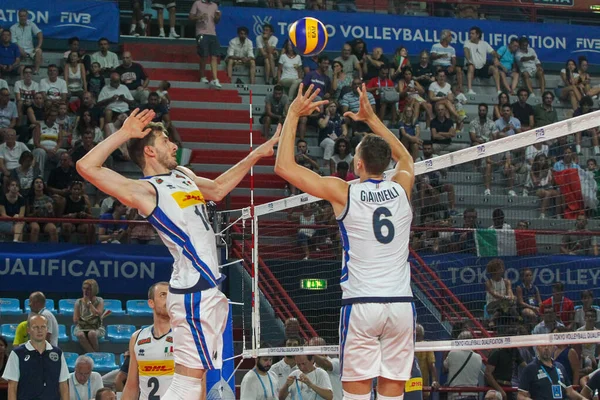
198	321
377	339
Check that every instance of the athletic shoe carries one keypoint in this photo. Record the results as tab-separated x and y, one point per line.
512	193
487	192
216	84
471	92
204	80
161	33
173	35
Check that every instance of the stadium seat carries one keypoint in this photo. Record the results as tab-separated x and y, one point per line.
8	331
119	333
103	362
138	308
10	306
70	358
62	334
121	359
49	306
115	307
74	338
66	306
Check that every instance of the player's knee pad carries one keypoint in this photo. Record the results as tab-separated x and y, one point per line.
352	396
381	397
183	387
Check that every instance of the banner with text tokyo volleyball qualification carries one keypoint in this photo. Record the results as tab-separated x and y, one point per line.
552	42
62	19
61	267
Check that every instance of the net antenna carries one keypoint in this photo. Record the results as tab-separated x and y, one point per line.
254	231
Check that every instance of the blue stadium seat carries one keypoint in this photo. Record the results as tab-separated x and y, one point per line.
74	338
66	306
115	306
62	334
8	331
49	306
70	358
10	306
138	308
103	362
121	359
119	333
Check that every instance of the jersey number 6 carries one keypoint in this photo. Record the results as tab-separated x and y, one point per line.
380	220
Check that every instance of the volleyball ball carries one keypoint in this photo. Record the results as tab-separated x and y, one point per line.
308	35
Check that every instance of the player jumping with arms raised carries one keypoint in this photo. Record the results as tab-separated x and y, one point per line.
173	199
377	315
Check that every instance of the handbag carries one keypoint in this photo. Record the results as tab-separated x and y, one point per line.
389	95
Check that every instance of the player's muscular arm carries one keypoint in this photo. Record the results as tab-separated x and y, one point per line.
329	188
131	391
404	173
133	193
219	188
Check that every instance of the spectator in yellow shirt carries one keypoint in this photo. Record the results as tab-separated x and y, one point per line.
21	335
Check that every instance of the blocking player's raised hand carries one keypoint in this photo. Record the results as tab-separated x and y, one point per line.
136	122
365	111
304	104
266	149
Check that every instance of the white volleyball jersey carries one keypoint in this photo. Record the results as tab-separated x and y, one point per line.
181	220
156	365
375	231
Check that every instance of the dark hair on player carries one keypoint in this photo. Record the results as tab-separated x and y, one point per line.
375	153
136	146
482	105
268	26
242	29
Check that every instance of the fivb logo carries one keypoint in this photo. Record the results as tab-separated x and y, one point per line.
258	24
428	165
480	150
540	134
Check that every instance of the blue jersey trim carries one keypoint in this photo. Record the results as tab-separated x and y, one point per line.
356	300
347	208
346	246
344	325
192	311
375	180
162	223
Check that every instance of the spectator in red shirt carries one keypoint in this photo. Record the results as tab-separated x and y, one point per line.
343	172
376	86
563	306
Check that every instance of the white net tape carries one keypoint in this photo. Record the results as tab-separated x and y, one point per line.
521	140
448	345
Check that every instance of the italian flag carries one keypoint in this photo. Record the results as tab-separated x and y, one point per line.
504	242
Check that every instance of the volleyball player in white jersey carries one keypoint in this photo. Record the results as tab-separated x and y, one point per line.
377	315
174	199
151	364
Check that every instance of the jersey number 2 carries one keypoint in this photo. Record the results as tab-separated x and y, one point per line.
154	384
380	220
201	212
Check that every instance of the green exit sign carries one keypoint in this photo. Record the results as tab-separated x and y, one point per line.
313	284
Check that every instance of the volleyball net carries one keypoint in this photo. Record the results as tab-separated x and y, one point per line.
538	214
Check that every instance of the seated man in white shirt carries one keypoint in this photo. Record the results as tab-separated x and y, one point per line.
529	65
22	34
260	383
308	382
331	366
267	48
10	152
115	97
107	59
54	88
240	51
84	382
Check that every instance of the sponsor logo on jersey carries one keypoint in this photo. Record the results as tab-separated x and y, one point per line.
169	339
144	341
187	199
156	368
159	181
414	384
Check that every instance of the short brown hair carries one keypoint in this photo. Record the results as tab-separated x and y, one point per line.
375	153
494	266
153	289
136	146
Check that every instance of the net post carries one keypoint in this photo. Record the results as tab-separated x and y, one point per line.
255	288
